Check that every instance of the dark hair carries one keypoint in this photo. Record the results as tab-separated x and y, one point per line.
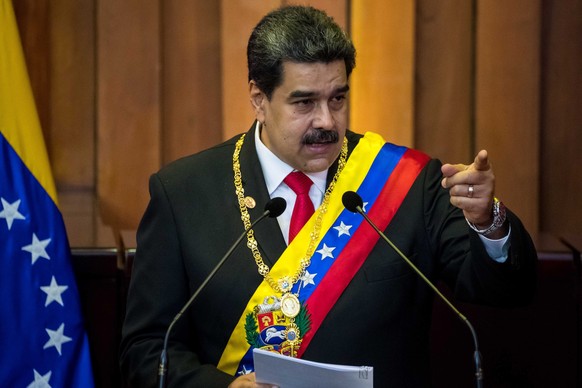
297	34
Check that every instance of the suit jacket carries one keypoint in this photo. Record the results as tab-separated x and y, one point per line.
382	319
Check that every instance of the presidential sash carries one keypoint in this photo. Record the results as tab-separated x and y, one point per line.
382	174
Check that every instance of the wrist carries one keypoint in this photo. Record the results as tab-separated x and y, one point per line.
499	218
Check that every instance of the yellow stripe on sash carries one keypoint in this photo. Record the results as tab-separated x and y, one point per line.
351	177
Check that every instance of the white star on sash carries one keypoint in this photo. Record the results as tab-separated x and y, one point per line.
40	381
307	278
10	212
326	251
245	371
57	338
343	229
53	292
37	248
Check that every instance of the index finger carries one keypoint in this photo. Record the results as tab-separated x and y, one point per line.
449	170
481	162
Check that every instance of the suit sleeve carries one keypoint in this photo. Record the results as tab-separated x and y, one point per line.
463	261
158	290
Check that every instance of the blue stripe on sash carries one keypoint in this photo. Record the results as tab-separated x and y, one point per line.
372	185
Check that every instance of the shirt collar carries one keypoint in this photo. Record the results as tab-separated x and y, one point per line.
277	169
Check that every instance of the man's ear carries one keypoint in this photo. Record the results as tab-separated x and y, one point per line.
258	100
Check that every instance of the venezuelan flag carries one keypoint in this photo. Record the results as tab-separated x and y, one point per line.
42	338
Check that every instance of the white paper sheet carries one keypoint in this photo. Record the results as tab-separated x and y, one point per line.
287	372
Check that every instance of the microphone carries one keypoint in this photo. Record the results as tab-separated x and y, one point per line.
273	209
353	202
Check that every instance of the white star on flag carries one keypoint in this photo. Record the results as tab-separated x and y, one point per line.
307	278
343	229
37	248
364	207
57	338
245	371
326	251
10	212
40	381
53	292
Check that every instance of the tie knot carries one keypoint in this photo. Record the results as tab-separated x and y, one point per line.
298	182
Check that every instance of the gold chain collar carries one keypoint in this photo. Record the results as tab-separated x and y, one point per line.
284	284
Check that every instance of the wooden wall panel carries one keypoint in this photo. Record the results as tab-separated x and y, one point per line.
128	106
508	99
59	44
561	151
191	87
444	82
72	94
34	29
382	84
124	87
237	21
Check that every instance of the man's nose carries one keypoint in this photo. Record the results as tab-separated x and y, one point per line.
323	117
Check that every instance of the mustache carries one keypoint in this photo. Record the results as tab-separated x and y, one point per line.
317	136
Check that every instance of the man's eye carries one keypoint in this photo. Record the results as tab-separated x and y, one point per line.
338	101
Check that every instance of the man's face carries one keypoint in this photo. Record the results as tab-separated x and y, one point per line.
305	121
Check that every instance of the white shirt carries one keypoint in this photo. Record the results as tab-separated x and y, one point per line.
274	175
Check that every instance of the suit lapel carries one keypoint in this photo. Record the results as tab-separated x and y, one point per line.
267	232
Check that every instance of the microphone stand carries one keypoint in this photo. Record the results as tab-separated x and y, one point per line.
162	366
477	353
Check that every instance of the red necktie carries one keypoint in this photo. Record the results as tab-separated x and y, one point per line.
300	184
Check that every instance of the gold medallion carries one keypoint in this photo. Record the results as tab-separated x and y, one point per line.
292	334
250	202
285	284
290	305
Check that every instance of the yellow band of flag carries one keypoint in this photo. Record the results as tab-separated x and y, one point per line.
19	122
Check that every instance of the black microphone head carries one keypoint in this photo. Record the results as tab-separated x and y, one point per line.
276	207
352	201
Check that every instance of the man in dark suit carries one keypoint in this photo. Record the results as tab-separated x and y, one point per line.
328	290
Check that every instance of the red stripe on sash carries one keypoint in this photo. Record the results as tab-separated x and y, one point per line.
356	251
